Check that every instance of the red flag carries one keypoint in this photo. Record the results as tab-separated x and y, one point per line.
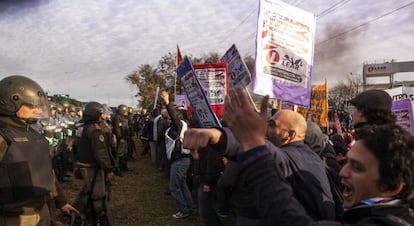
337	125
178	58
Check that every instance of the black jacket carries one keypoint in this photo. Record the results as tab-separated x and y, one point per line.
303	169
25	168
210	166
92	147
277	205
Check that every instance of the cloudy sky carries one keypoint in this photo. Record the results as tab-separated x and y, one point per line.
86	47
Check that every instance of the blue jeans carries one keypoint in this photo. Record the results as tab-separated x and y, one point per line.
178	186
206	200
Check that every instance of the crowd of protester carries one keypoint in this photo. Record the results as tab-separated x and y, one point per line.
264	168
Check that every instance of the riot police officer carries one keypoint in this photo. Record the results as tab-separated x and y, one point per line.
121	130
95	167
26	170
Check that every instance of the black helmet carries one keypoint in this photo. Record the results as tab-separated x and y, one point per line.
92	112
123	109
17	90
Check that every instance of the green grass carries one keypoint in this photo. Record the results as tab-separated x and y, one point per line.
138	198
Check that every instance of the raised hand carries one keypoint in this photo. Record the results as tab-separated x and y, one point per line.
165	96
247	125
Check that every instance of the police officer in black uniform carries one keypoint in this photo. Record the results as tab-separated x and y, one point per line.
121	131
95	166
26	178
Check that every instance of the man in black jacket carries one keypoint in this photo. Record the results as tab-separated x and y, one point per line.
95	166
378	176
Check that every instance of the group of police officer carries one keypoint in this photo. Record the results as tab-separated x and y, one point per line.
87	142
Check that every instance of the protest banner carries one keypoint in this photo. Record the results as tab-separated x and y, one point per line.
401	93
181	101
203	112
319	104
239	74
404	112
284	52
213	79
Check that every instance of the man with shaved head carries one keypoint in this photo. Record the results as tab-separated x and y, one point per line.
301	167
285	127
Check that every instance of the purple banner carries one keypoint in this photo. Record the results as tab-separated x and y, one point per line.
403	110
284	52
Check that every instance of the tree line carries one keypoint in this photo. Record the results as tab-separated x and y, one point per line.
146	78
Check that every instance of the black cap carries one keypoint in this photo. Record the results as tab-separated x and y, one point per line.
375	99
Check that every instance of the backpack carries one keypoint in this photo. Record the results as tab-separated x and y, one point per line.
173	143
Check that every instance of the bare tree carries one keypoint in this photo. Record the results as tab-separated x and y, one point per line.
340	94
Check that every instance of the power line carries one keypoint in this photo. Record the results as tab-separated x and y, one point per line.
242	22
296	3
366	23
332	8
324	13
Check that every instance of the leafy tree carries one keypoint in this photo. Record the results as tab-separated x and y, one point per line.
167	70
146	79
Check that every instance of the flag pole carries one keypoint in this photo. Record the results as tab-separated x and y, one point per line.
327	106
251	99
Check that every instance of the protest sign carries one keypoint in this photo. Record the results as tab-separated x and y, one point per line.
239	74
203	113
284	52
404	112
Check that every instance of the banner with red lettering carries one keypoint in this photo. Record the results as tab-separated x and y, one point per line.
284	52
203	114
213	79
